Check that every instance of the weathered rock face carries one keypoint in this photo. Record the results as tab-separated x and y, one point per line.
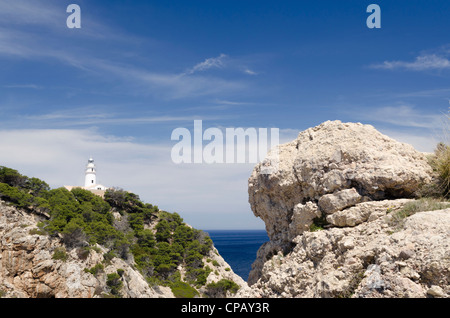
334	165
372	259
350	179
28	268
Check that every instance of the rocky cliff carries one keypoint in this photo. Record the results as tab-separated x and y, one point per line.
340	216
34	265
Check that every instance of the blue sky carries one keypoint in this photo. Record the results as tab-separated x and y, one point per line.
116	88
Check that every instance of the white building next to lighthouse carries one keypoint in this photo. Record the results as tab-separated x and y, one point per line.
90	180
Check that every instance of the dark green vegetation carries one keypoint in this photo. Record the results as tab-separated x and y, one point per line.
220	288
154	241
114	283
318	224
158	253
440	162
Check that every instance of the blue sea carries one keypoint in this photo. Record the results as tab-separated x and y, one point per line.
238	247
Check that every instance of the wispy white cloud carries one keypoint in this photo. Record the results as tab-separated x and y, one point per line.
78	117
439	92
421	142
24	86
30	13
29	45
49	17
232	103
402	115
20	38
221	62
98	115
421	63
168	85
405	123
250	72
213	62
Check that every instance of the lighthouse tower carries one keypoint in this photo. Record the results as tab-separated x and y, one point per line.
90	178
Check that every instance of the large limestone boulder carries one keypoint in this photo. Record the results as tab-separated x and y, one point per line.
352	183
329	168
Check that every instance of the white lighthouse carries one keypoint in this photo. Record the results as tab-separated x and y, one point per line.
90	178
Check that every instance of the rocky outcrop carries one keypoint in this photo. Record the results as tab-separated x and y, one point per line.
372	259
330	212
34	265
330	167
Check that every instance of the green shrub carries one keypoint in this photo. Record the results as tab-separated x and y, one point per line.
37	231
60	254
73	233
145	238
36	186
183	235
83	252
115	197
15	196
163	232
108	256
440	163
183	290
11	177
219	289
203	276
114	282
80	216
20	190
98	268
95	203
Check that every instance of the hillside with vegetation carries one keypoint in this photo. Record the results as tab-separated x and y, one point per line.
159	245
